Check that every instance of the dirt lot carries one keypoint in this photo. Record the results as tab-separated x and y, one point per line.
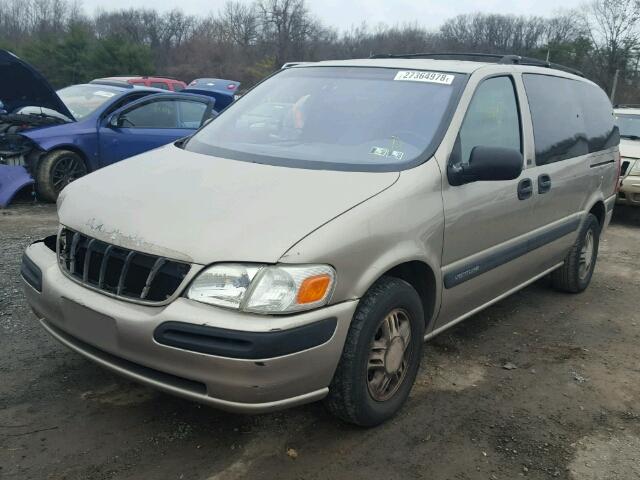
569	410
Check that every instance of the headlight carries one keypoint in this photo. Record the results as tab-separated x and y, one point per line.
264	289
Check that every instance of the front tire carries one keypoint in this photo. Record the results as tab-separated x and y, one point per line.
381	355
575	275
57	170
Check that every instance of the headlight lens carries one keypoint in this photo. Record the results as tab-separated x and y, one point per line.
264	289
223	285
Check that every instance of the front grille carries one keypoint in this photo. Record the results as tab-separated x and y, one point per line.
119	271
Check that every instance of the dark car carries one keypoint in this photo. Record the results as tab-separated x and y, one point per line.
53	138
224	91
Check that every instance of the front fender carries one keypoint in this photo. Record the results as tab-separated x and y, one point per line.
402	223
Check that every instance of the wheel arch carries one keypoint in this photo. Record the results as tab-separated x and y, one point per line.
71	148
421	276
599	210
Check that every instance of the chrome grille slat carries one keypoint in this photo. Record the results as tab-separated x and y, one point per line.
118	271
123	273
87	260
154	271
72	253
103	266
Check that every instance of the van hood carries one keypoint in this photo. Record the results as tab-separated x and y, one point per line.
21	85
629	148
203	209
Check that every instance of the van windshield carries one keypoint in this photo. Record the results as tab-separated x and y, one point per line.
346	118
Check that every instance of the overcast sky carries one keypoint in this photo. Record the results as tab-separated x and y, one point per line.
345	13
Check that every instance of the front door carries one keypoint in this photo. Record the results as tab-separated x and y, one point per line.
487	223
150	123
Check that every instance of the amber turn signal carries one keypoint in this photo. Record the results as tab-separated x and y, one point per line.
313	289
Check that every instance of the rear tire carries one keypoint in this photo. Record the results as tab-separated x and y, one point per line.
55	171
381	355
575	275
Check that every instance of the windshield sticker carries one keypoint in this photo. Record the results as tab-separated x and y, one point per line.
382	152
102	93
385	152
429	77
397	154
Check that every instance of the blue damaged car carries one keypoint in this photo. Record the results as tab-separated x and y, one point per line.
52	138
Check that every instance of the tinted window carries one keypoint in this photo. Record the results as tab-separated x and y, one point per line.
570	118
123	101
191	114
334	117
491	120
162	85
598	117
158	114
177	87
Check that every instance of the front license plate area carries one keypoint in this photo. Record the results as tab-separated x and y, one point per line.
89	326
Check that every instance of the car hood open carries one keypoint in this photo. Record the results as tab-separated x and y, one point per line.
21	85
202	209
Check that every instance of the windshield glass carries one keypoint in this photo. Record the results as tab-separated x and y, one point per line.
334	117
82	100
629	126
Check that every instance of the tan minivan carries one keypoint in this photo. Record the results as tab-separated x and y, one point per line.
305	243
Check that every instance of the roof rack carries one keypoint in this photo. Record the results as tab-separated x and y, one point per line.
627	105
485	57
112	83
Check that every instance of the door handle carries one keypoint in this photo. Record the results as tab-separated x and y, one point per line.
525	189
544	183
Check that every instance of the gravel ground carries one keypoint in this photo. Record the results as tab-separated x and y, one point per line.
565	407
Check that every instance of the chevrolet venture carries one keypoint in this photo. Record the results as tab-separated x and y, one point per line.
305	243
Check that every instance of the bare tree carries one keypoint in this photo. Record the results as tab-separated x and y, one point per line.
613	30
287	25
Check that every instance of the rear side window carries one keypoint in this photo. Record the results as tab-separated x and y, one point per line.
191	114
570	118
599	120
177	87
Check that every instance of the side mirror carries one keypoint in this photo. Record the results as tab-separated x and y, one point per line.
487	164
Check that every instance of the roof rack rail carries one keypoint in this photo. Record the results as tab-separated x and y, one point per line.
112	83
627	105
485	57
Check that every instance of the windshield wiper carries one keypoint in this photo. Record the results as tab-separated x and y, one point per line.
631	137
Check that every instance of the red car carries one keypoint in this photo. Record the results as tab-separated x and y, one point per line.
165	83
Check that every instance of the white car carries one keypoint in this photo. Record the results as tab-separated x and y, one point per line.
628	120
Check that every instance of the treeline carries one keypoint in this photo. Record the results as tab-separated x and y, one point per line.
248	40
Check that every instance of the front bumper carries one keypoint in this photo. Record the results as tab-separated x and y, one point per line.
120	335
629	193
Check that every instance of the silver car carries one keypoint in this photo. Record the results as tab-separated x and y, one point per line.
305	243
